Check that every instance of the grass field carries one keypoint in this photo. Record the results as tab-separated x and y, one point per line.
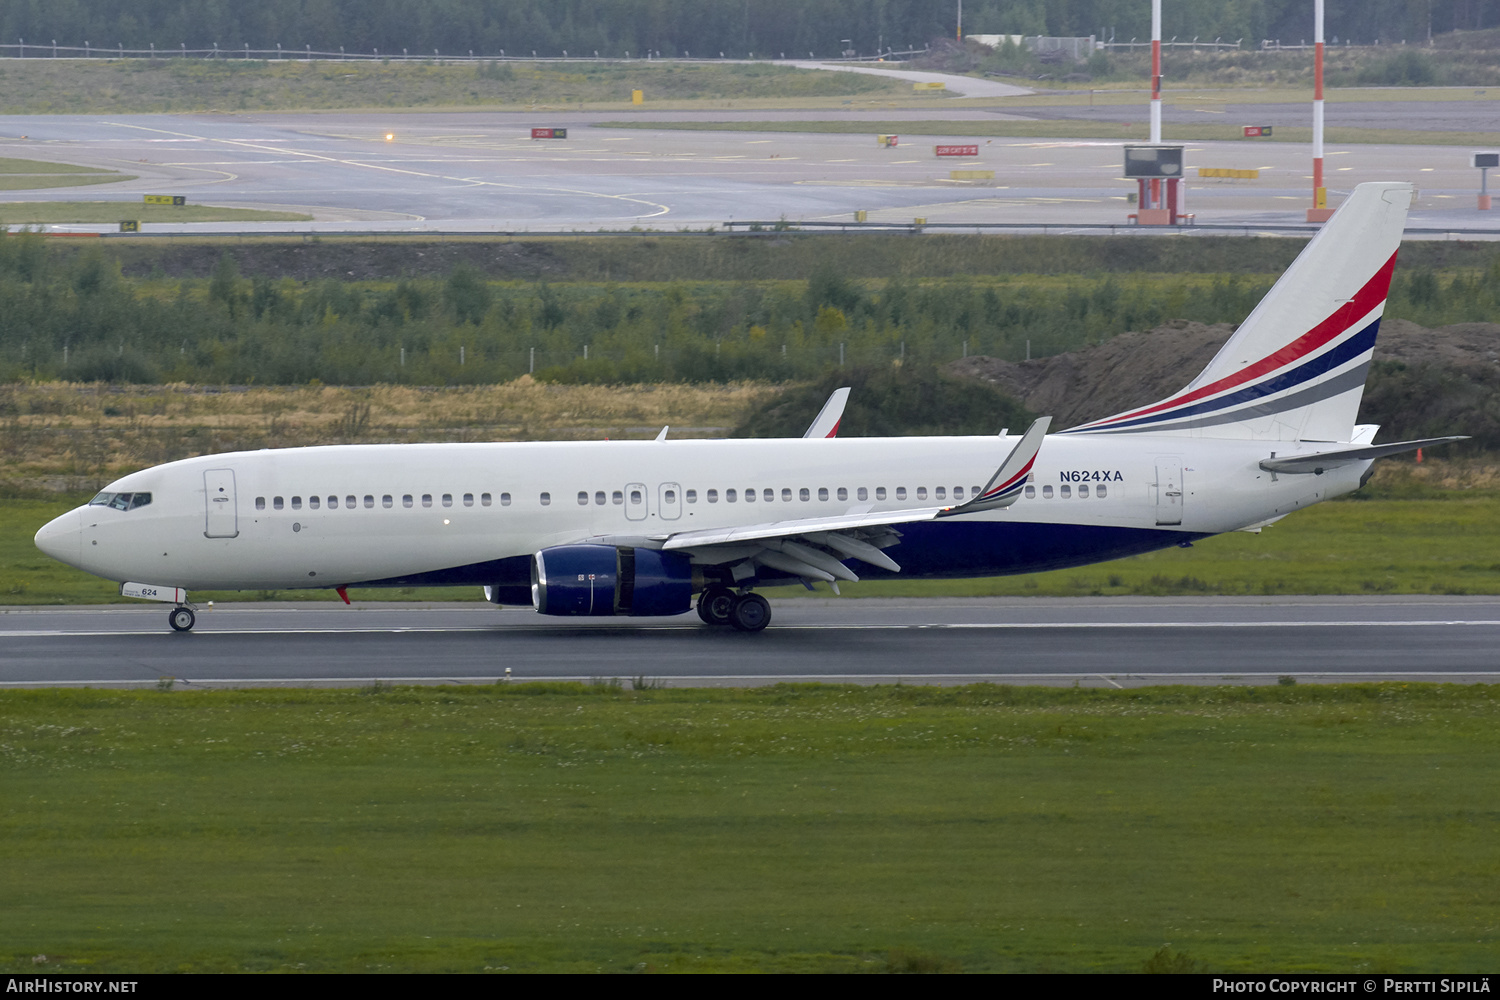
136	86
26	213
1448	545
589	828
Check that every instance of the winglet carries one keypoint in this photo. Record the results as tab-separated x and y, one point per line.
826	423
1005	485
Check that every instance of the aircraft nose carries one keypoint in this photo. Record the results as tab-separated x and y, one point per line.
62	537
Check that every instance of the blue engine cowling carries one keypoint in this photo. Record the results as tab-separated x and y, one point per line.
601	580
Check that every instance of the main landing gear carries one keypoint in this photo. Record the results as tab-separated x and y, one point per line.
745	612
182	619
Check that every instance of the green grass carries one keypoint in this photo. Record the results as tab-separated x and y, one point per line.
580	828
22	175
1449	545
1074	129
48	212
10	165
138	86
24	182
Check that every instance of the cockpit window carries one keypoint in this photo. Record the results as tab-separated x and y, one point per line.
121	501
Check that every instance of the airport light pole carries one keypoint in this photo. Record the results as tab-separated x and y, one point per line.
1320	212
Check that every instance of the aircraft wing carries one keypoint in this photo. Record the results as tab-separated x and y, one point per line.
813	548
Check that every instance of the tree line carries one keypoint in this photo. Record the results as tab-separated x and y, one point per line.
697	27
76	317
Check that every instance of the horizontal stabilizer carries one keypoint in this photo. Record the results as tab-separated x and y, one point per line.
1320	461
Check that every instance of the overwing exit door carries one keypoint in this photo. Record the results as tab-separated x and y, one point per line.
221	517
669	501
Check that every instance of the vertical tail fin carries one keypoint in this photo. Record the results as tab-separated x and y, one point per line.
1295	369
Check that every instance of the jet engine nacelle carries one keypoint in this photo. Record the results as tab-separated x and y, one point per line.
600	580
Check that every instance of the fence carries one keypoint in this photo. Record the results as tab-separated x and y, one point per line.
27	50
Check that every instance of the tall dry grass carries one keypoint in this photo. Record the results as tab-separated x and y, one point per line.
69	437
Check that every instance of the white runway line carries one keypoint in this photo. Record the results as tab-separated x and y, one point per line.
830	627
907	679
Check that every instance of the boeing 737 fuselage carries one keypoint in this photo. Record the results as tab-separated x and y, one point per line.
639	528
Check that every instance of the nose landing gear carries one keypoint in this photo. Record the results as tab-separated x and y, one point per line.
182	619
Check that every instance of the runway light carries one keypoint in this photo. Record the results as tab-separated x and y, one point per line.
446	521
389	136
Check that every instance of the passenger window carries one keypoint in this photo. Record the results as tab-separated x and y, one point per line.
278	503
803	494
1031	493
635	496
843	493
769	495
1046	493
671	496
713	496
900	492
426	499
976	490
583	498
921	493
312	503
729	496
369	500
447	499
750	495
351	501
406	500
691	496
822	493
260	503
485	500
505	499
880	493
617	497
1083	490
863	493
1067	492
940	493
333	503
387	501
546	499
599	499
958	492
468	499
1102	492
296	503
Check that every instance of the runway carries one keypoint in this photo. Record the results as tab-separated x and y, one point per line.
1108	642
481	172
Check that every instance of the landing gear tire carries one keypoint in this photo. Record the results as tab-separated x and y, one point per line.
715	605
750	613
182	619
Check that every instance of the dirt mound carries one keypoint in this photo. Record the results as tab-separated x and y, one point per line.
1128	370
1134	369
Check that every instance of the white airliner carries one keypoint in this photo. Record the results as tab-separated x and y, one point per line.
640	527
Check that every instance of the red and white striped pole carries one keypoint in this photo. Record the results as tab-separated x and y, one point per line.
1156	71
1320	212
1156	93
